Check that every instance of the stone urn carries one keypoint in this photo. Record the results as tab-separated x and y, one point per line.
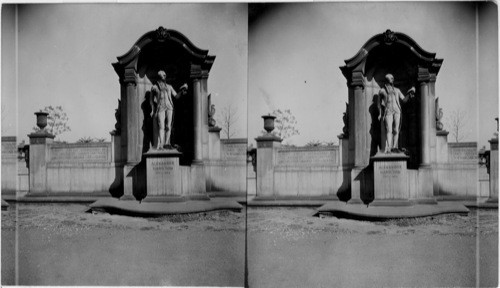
41	119
269	122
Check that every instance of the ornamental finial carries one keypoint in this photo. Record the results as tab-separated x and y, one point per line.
390	37
162	34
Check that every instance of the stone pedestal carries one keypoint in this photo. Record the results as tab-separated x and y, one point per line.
39	144
266	147
390	180
163	176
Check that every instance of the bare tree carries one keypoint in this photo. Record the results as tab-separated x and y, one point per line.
57	120
284	124
227	118
457	122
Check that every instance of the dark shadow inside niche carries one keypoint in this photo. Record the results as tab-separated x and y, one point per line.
147	123
398	60
170	57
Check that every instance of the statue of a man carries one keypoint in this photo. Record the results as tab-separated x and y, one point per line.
162	109
390	98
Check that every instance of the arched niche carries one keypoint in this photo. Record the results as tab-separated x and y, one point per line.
174	60
171	51
397	54
398	60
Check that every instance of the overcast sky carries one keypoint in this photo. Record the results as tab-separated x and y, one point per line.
65	53
295	51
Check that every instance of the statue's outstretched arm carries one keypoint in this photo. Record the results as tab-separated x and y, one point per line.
182	90
409	94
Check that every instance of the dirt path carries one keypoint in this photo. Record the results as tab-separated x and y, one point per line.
60	244
63	245
287	248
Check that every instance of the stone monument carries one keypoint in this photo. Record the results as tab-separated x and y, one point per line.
163	130
391	147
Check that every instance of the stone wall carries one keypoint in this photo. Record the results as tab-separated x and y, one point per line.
229	172
463	152
307	172
308	156
80	153
459	176
234	149
80	168
9	165
97	169
316	172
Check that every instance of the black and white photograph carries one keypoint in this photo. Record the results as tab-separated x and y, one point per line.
375	126
118	166
291	144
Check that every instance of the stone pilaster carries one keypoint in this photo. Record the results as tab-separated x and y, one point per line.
425	115
197	122
130	134
133	109
432	110
358	125
357	133
204	114
123	121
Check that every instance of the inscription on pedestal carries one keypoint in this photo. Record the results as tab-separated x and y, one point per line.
163	176
389	170
163	167
390	180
